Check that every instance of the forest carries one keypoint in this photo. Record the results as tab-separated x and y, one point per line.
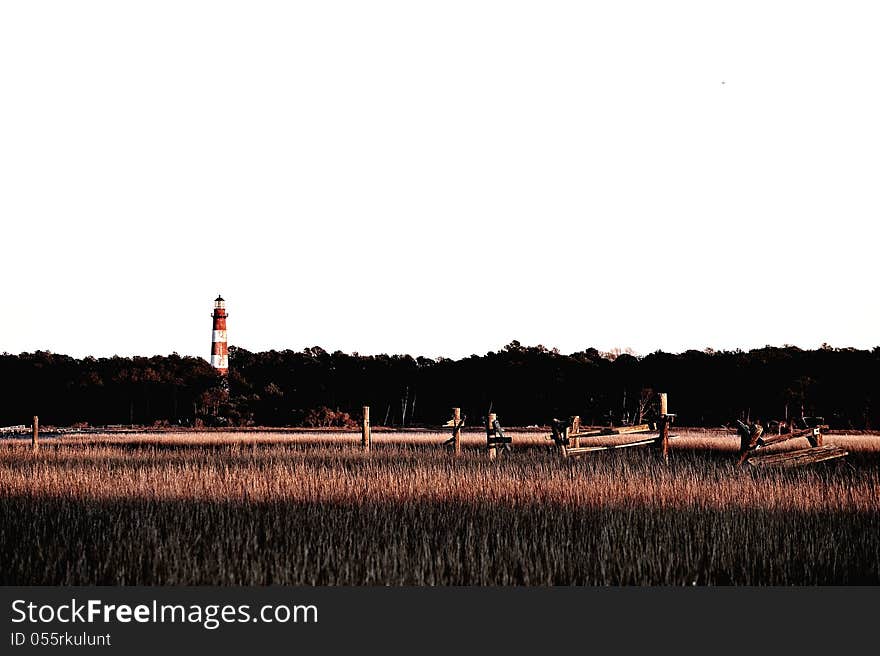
524	385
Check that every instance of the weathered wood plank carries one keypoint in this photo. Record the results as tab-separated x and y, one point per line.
623	430
608	447
799	457
765	440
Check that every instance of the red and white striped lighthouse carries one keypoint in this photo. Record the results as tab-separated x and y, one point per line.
219	352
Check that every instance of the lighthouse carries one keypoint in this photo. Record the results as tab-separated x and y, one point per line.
219	352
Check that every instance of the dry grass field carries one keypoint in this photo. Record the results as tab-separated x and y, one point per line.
311	508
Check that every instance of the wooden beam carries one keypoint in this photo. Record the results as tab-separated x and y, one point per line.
623	430
800	457
663	427
490	431
456	430
808	433
607	447
572	433
35	440
663	439
366	434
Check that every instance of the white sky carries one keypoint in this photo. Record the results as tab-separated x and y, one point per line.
438	178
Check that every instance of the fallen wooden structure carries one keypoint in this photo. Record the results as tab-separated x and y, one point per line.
567	434
752	439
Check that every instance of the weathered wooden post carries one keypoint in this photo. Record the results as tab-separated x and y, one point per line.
559	435
663	425
456	430
366	437
35	440
490	432
575	428
749	435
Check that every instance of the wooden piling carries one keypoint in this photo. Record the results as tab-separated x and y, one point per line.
456	430
35	440
575	428
366	436
490	431
663	425
664	439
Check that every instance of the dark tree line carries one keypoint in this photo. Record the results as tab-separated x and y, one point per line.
524	385
64	391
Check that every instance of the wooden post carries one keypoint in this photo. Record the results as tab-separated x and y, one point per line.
575	427
35	440
366	437
750	439
490	430
456	430
663	438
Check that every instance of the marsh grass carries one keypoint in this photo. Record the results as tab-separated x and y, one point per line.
312	509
